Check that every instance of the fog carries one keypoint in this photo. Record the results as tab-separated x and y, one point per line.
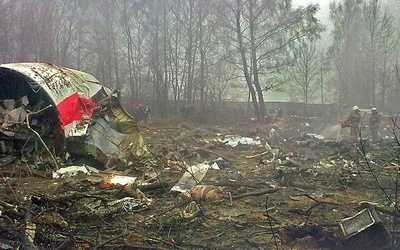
168	54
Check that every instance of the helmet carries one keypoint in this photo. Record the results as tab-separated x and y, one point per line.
355	108
373	109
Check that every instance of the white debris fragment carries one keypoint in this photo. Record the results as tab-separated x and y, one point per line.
73	170
267	146
193	175
235	140
122	180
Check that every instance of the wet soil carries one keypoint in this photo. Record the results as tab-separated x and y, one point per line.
293	198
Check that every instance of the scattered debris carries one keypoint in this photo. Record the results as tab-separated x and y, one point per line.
222	186
221	163
364	230
191	210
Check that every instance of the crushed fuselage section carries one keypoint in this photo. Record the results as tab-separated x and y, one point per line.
48	108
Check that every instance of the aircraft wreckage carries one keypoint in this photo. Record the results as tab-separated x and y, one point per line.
56	110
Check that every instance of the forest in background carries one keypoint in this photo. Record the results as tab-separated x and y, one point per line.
182	52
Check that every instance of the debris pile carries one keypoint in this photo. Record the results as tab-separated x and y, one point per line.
77	176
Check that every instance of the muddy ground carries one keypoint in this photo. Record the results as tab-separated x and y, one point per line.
292	196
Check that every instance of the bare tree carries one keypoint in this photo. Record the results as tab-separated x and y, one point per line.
345	50
158	57
105	47
363	51
189	25
324	70
45	27
6	12
264	29
176	65
134	35
304	72
195	36
379	44
221	77
24	18
160	50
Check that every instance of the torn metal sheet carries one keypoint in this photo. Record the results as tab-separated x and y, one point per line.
365	230
362	220
98	208
108	140
192	176
130	204
58	82
78	129
64	110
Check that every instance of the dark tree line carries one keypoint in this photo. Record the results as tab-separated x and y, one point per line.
208	51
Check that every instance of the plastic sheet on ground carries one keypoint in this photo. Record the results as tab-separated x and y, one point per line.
235	140
192	176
